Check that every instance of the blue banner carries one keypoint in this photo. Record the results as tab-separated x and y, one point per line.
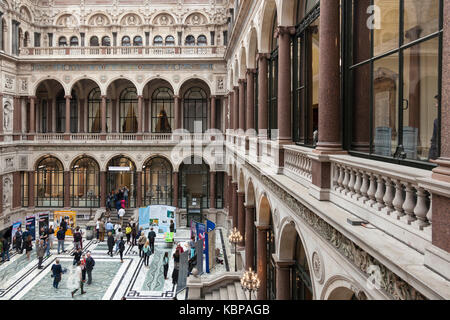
144	218
31	226
201	228
209	227
16	226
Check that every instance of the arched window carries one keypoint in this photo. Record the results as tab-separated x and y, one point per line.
122	173
85	184
170	41
49	183
273	81
195	109
94	113
202	41
3	35
126	42
190	41
62	42
162	110
26	39
137	41
93	42
158	41
106	41
301	275
61	113
157	182
73	41
194	184
128	110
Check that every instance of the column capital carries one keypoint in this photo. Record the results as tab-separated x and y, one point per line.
213	96
236	88
250	71
242	81
282	30
261	227
140	96
176	96
29	97
282	263
249	206
263	55
67	97
104	96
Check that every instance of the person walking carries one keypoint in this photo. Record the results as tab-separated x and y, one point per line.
172	226
128	233
76	256
141	242
83	267
5	249
18	240
110	242
133	235
121	248
90	263
79	274
109	199
57	272
51	237
28	245
77	238
151	237
97	230
40	252
117	201
61	236
166	264
109	227
117	236
146	250
43	235
102	230
176	266
121	214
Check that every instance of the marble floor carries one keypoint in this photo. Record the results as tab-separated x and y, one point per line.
20	279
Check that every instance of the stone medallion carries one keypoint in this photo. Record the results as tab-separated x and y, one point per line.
318	267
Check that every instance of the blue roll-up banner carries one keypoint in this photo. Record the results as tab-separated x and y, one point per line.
144	218
209	227
16	226
201	228
31	226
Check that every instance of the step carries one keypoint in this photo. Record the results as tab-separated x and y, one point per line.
231	292
223	293
208	296
216	295
239	291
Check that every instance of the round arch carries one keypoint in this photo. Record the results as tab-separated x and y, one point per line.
242	63
194	81
49	182
269	10
195	13
165	81
252	48
118	78
157	184
340	287
250	193
41	81
87	78
264	209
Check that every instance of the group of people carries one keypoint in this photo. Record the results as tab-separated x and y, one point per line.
84	265
118	199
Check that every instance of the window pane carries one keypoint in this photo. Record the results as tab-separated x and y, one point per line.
421	18
362	35
386	36
361	108
385	105
420	109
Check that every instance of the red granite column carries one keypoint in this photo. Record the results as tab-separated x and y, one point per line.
230	195
329	78
212	190
51	107
242	110
236	109
114	115
1	191
283	280
261	247
82	114
249	236
231	110
1	119
103	114
139	190
30	189
67	97
250	116
103	190
225	190
284	84
235	205
16	199
175	189
177	112
17	118
32	115
263	94
241	217
66	189
441	202
213	113
139	115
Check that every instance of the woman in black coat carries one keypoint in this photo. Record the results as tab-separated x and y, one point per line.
111	243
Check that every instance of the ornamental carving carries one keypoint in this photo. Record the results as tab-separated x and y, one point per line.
131	20
7	186
196	19
318	267
99	20
388	281
7	115
163	19
9	82
67	20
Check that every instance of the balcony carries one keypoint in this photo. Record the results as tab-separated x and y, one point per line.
129	52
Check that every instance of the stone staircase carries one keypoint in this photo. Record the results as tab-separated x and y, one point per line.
232	291
126	218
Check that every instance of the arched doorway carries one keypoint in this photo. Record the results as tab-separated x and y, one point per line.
194	186
85	183
49	183
271	266
157	182
195	109
122	173
301	280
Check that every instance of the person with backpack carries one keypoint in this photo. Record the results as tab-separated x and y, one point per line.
166	264
151	237
61	236
18	240
146	253
90	263
121	248
141	242
77	238
110	243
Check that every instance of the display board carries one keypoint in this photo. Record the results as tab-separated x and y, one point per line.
158	217
211	252
69	216
30	224
15	227
183	271
199	252
44	220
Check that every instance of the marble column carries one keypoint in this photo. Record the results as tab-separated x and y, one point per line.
30	189
283	280
1	123
263	95
147	115
249	236
66	189
139	189
236	109
329	78
17	116
284	113
242	110
68	98
230	195
82	115
231	110
250	116
114	109
1	192
32	115
103	189
17	194
212	190
177	106
175	189
225	112
241	217
235	205
213	113
140	118
51	112
261	255
225	190
103	114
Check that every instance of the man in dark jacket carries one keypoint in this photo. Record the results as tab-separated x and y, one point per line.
5	252
90	263
151	238
111	243
40	252
56	273
18	241
61	236
172	226
77	256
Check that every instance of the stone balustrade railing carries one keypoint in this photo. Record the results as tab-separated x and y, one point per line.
50	137
297	162
124	51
